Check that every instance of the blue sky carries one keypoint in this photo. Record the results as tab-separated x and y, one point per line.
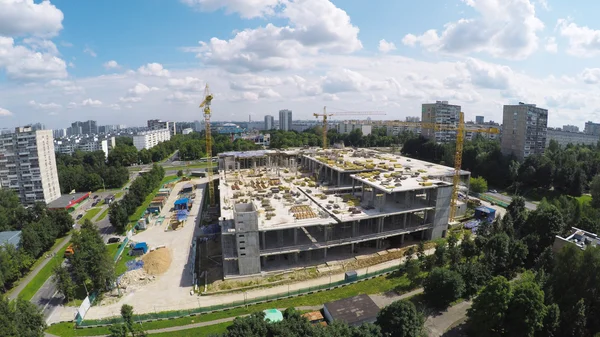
127	61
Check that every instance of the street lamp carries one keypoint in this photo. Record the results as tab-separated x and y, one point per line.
103	187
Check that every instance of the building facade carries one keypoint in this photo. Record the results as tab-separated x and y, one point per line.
479	119
440	113
59	133
347	127
524	130
564	138
592	128
28	165
84	128
157	124
285	120
570	128
269	122
149	139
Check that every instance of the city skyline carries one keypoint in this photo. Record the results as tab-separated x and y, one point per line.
80	66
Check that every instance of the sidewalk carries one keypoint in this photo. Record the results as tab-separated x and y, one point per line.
436	326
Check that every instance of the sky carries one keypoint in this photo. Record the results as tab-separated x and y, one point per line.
124	62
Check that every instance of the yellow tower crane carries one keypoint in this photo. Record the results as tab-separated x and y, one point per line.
325	116
209	171
460	138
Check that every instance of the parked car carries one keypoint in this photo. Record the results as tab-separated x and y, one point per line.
79	216
114	240
96	197
493	191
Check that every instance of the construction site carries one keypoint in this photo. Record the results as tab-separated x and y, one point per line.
282	210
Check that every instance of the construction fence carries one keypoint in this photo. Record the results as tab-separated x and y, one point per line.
264	299
491	199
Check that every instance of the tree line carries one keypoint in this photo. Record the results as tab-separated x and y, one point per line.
314	137
88	171
20	318
120	211
39	226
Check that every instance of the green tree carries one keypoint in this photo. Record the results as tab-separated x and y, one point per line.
488	312
442	287
413	270
91	261
29	319
478	185
575	320
64	282
551	321
180	173
8	327
421	252
117	215
525	311
475	275
441	254
595	191
400	319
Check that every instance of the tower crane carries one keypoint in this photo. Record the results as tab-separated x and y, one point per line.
209	172
325	116
460	138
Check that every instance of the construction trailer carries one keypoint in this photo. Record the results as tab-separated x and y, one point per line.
281	210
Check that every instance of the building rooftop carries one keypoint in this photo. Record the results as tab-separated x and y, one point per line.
68	200
354	310
10	237
578	237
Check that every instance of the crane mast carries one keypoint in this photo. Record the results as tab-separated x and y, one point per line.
209	171
325	116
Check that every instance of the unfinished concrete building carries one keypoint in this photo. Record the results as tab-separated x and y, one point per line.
298	208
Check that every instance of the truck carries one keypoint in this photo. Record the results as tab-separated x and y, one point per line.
138	249
69	251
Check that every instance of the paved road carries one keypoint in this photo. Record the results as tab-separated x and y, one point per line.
437	325
529	205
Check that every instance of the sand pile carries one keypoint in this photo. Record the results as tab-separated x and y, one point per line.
157	262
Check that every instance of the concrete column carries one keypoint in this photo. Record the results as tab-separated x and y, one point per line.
362	198
380	225
422	235
296	257
331	176
353	185
339	178
354	229
405	218
352	247
406	198
280	238
325	253
264	240
402	239
295	236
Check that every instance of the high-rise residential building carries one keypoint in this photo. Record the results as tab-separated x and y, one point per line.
479	119
524	130
285	120
198	126
59	133
75	129
592	128
149	139
413	119
440	113
28	165
348	126
157	124
37	126
84	128
570	128
564	138
269	122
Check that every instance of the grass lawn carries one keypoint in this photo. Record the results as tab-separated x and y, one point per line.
120	266
140	210
381	284
191	166
103	214
204	331
90	214
584	199
112	248
38	280
119	194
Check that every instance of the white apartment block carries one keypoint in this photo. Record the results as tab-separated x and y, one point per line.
28	165
285	120
440	113
69	146
348	127
187	131
157	124
394	130
149	139
564	138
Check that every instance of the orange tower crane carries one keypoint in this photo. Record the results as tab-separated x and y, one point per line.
325	116
209	171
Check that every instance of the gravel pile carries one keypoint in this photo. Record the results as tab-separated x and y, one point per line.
157	262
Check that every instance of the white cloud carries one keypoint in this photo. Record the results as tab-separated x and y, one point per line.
153	69
314	26
568	100
42	45
66	44
246	8
90	52
91	102
543	4
141	89
115	106
21	63
71	65
179	97
346	80
385	46
590	75
186	84
69	87
71	105
130	99
551	45
112	64
487	75
44	106
583	41
4	112
24	17
506	29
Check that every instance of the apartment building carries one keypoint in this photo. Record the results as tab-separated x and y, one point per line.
285	120
84	128
157	124
91	144
28	165
592	128
281	210
269	122
524	130
570	128
440	113
347	127
564	138
479	119
149	139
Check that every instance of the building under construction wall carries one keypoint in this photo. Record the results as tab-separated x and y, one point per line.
303	207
